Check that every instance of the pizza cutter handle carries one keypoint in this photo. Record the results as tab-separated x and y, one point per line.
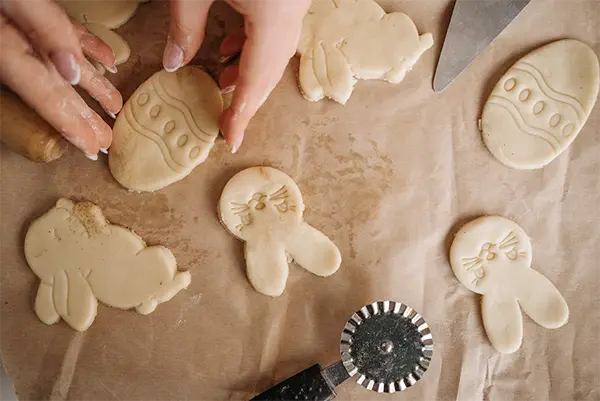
310	384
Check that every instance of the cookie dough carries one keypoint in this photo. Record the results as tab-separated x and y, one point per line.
110	13
166	128
346	40
81	258
492	256
263	207
118	45
540	105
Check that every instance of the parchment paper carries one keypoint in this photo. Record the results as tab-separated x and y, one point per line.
389	177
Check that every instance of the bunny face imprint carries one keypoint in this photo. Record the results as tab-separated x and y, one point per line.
484	248
261	202
263	207
80	258
491	256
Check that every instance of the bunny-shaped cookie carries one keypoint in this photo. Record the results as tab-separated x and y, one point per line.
263	207
491	256
81	258
345	40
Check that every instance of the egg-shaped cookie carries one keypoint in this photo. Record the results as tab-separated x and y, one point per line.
540	105
110	13
166	128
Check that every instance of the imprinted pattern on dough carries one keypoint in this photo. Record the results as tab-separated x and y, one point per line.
258	202
536	107
172	126
509	246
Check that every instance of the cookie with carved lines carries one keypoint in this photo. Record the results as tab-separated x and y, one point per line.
166	128
263	207
537	109
492	256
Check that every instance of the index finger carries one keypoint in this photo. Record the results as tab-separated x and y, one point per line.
272	38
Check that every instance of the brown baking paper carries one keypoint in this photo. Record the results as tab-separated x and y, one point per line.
389	177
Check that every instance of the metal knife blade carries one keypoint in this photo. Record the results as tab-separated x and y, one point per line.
473	26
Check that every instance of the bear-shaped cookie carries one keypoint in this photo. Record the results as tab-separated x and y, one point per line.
263	207
492	256
346	40
166	128
537	109
81	258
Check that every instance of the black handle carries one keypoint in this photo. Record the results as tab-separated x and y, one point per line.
306	385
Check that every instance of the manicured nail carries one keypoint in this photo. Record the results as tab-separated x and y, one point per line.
112	69
236	144
111	114
104	150
227	90
92	156
172	57
67	66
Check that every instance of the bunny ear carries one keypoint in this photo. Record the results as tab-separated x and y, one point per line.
266	266
333	72
74	300
503	323
312	250
542	301
44	304
311	87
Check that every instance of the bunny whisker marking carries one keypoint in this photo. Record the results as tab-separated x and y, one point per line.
280	194
509	237
508	245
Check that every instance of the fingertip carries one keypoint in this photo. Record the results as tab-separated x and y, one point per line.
173	57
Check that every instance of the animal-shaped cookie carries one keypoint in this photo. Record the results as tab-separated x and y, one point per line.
166	128
263	207
540	105
80	258
346	40
492	257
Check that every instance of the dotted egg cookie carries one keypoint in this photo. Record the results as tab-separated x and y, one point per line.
165	129
540	105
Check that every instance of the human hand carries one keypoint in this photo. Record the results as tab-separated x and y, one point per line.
269	39
42	56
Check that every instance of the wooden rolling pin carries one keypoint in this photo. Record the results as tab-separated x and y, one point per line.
25	132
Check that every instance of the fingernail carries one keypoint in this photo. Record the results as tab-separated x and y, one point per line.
111	114
172	57
227	90
112	69
67	66
236	144
104	150
92	156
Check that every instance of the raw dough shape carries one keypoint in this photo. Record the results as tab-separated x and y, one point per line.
346	40
81	258
118	45
492	256
166	128
263	207
540	105
110	13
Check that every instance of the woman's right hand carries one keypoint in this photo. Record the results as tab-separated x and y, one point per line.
43	56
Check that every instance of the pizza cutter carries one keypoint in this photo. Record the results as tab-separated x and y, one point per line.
386	347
